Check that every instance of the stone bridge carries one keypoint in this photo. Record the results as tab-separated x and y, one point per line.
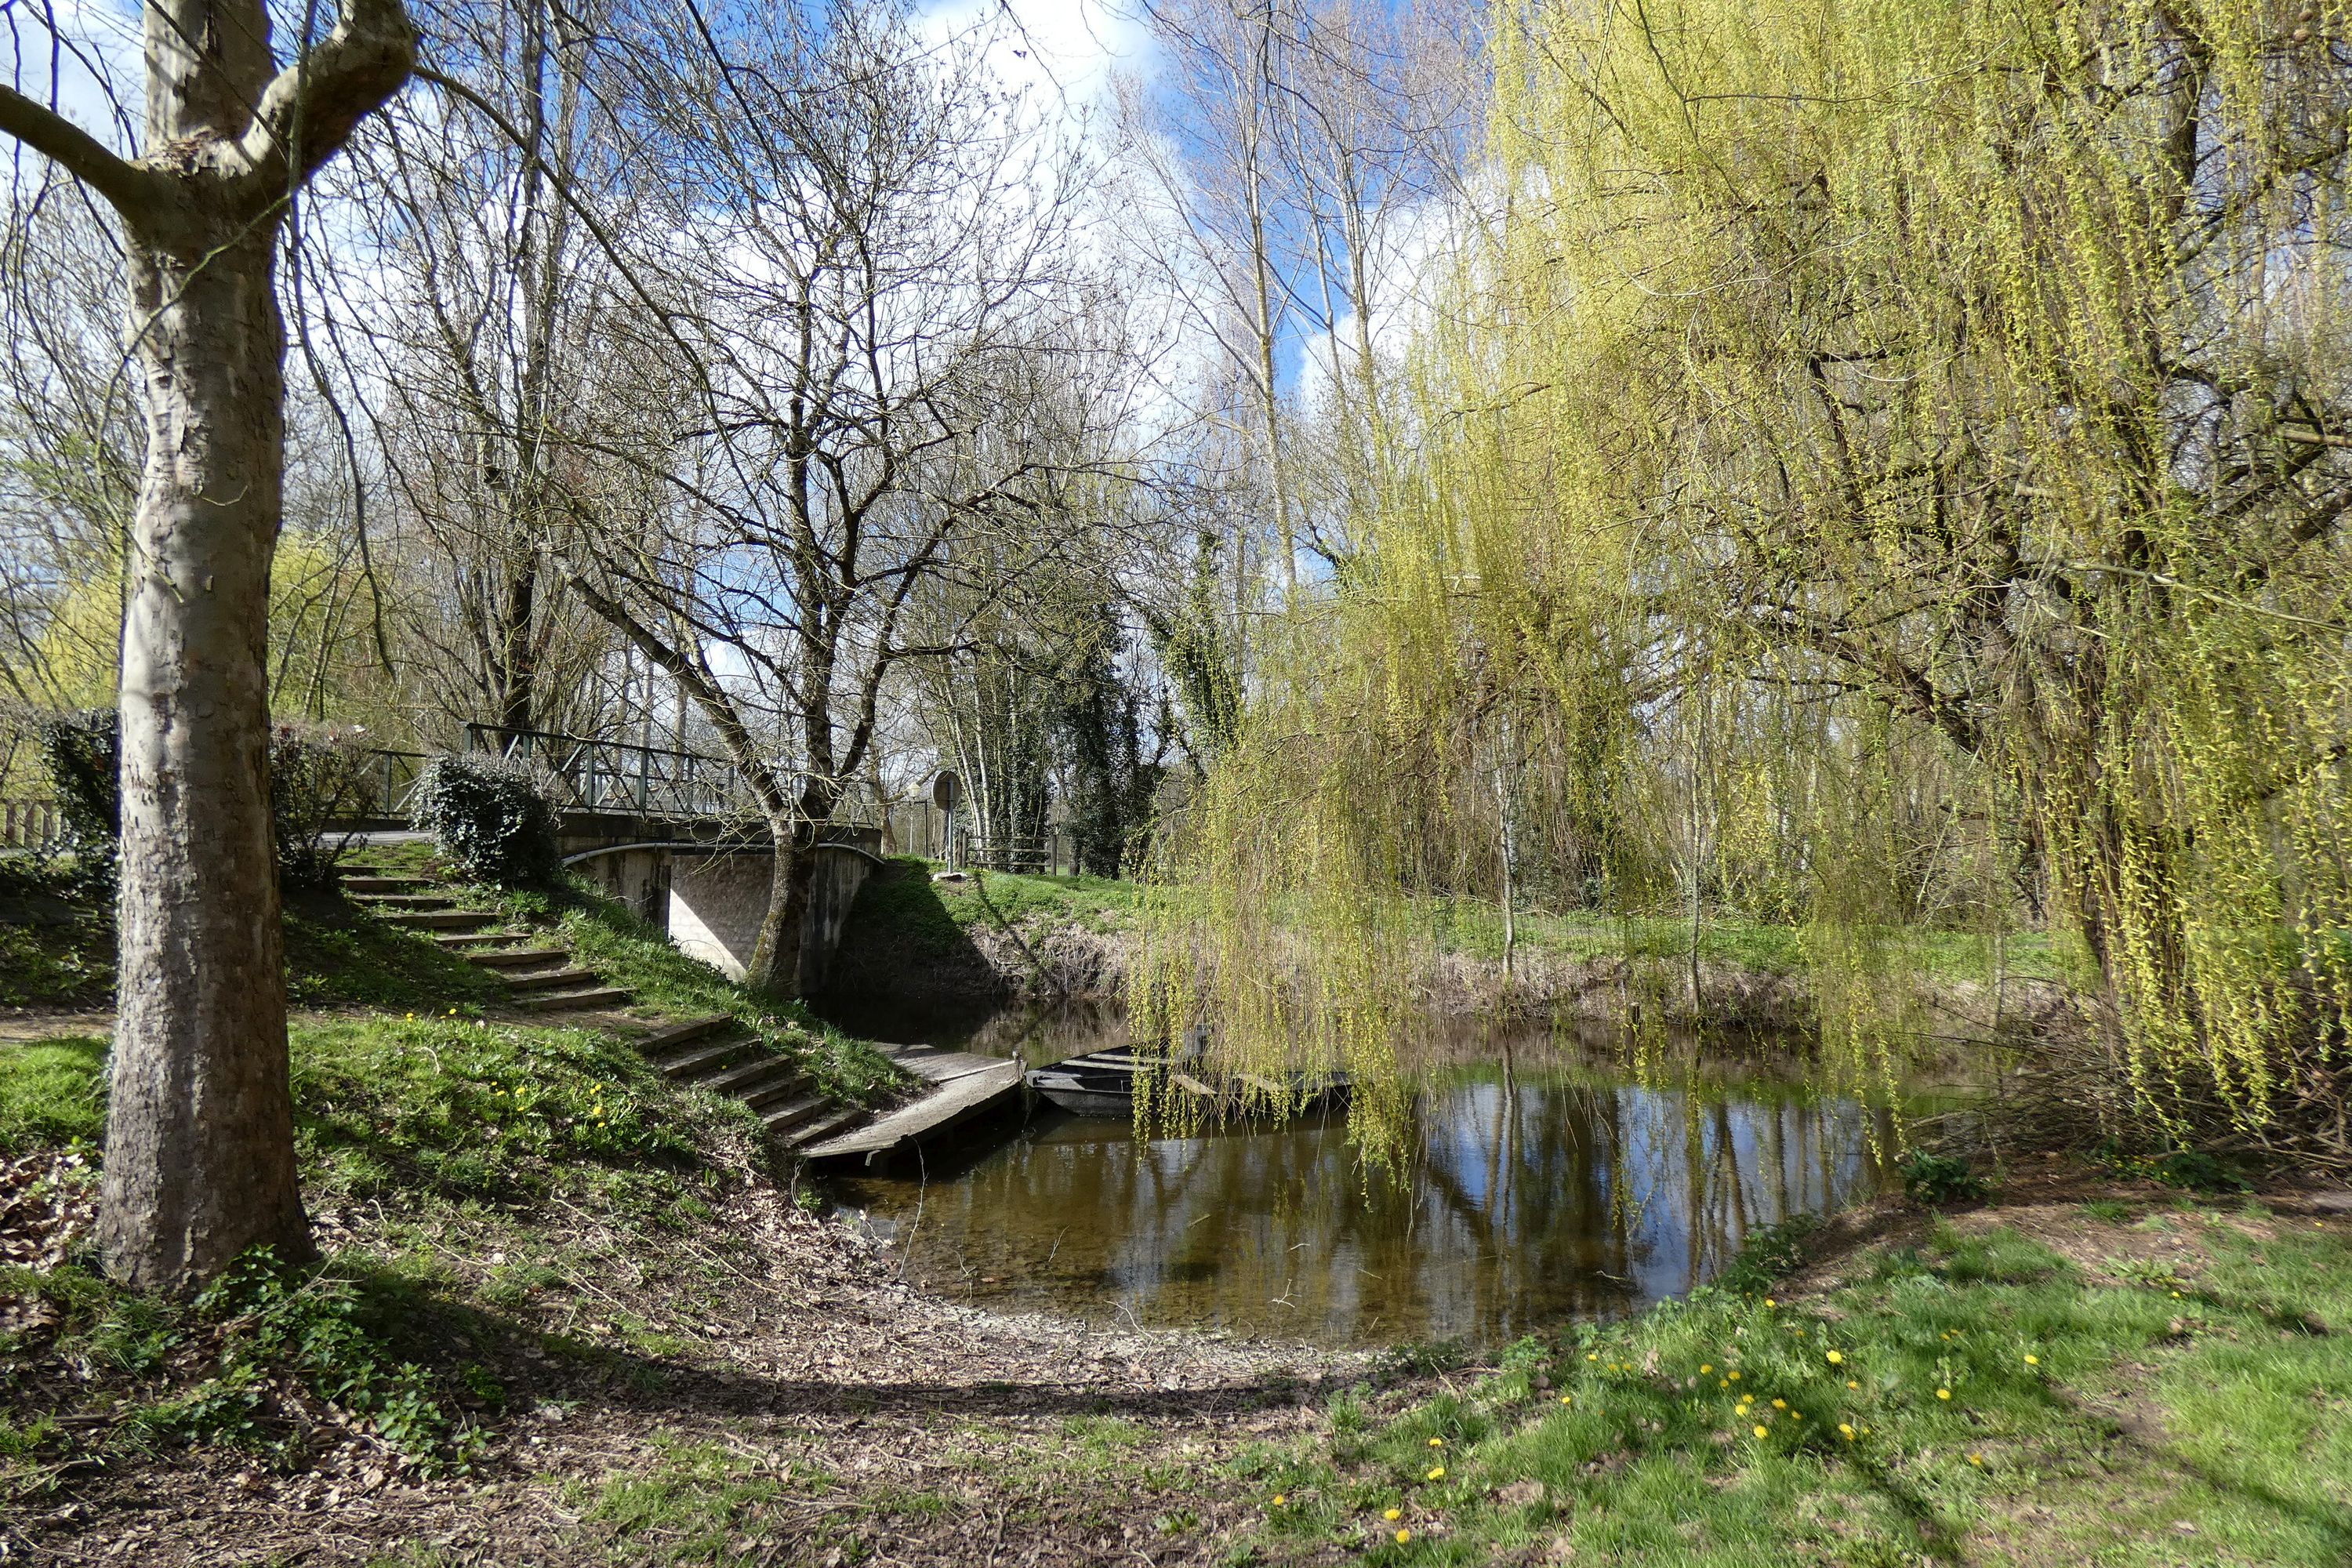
672	835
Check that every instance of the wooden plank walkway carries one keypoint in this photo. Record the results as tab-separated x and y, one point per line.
935	1066
963	1084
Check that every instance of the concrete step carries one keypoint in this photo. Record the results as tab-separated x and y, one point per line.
374	884
822	1128
404	900
672	1035
443	919
705	1056
480	941
516	957
794	1113
552	980
768	1094
569	1001
748	1075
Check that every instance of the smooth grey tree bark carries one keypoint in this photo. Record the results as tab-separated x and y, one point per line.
200	1137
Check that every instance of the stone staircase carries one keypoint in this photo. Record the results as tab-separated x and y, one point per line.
718	1053
540	978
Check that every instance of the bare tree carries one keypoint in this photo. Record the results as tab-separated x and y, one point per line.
870	361
200	1147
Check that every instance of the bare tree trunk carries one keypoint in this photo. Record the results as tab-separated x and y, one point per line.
200	1135
775	964
200	1127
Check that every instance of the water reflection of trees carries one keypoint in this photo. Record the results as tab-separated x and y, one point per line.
1528	1200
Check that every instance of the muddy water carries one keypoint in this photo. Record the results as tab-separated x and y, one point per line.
1562	1188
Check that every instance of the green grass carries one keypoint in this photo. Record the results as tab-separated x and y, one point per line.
1474	927
2087	1420
1002	897
51	1094
478	1139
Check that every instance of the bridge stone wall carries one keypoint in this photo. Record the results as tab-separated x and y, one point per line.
718	900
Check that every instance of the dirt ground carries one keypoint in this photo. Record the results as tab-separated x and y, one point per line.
814	1411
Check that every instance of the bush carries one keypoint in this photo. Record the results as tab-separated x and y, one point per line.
315	776
1938	1179
491	815
83	752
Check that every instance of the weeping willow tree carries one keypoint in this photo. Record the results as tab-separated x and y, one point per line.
1908	446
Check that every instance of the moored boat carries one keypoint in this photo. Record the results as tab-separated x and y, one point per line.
1102	1083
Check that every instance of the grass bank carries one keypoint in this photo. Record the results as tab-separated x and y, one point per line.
2135	1378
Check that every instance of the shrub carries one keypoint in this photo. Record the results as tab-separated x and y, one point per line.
316	776
83	752
491	815
1938	1179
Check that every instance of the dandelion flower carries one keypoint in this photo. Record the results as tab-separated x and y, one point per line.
1837	1358
1280	1499
1759	1431
1705	1368
1975	1460
1402	1536
1437	1442
1779	1404
1851	1384
1943	1393
2033	1360
1437	1472
1770	1302
1735	1376
1394	1514
1796	1416
1846	1427
1592	1355
1568	1399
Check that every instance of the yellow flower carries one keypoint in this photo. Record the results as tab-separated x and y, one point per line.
1851	1384
1943	1393
1837	1358
1976	1458
1846	1427
1779	1404
1437	1442
412	1017
1723	1382
1592	1355
1735	1375
1437	1472
1759	1431
1796	1416
1705	1368
453	1012
1568	1399
1280	1499
2033	1360
1770	1302
1402	1536
1394	1514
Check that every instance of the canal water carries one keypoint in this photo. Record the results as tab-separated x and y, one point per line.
1568	1187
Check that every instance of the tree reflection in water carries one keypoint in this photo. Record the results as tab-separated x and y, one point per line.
1556	1191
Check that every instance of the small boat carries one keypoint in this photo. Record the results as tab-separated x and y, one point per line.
1102	1083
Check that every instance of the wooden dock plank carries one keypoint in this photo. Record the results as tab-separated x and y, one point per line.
940	1067
948	1103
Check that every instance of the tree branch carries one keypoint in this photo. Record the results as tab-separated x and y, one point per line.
129	189
308	110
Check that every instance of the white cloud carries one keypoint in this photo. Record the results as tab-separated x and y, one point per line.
1051	50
